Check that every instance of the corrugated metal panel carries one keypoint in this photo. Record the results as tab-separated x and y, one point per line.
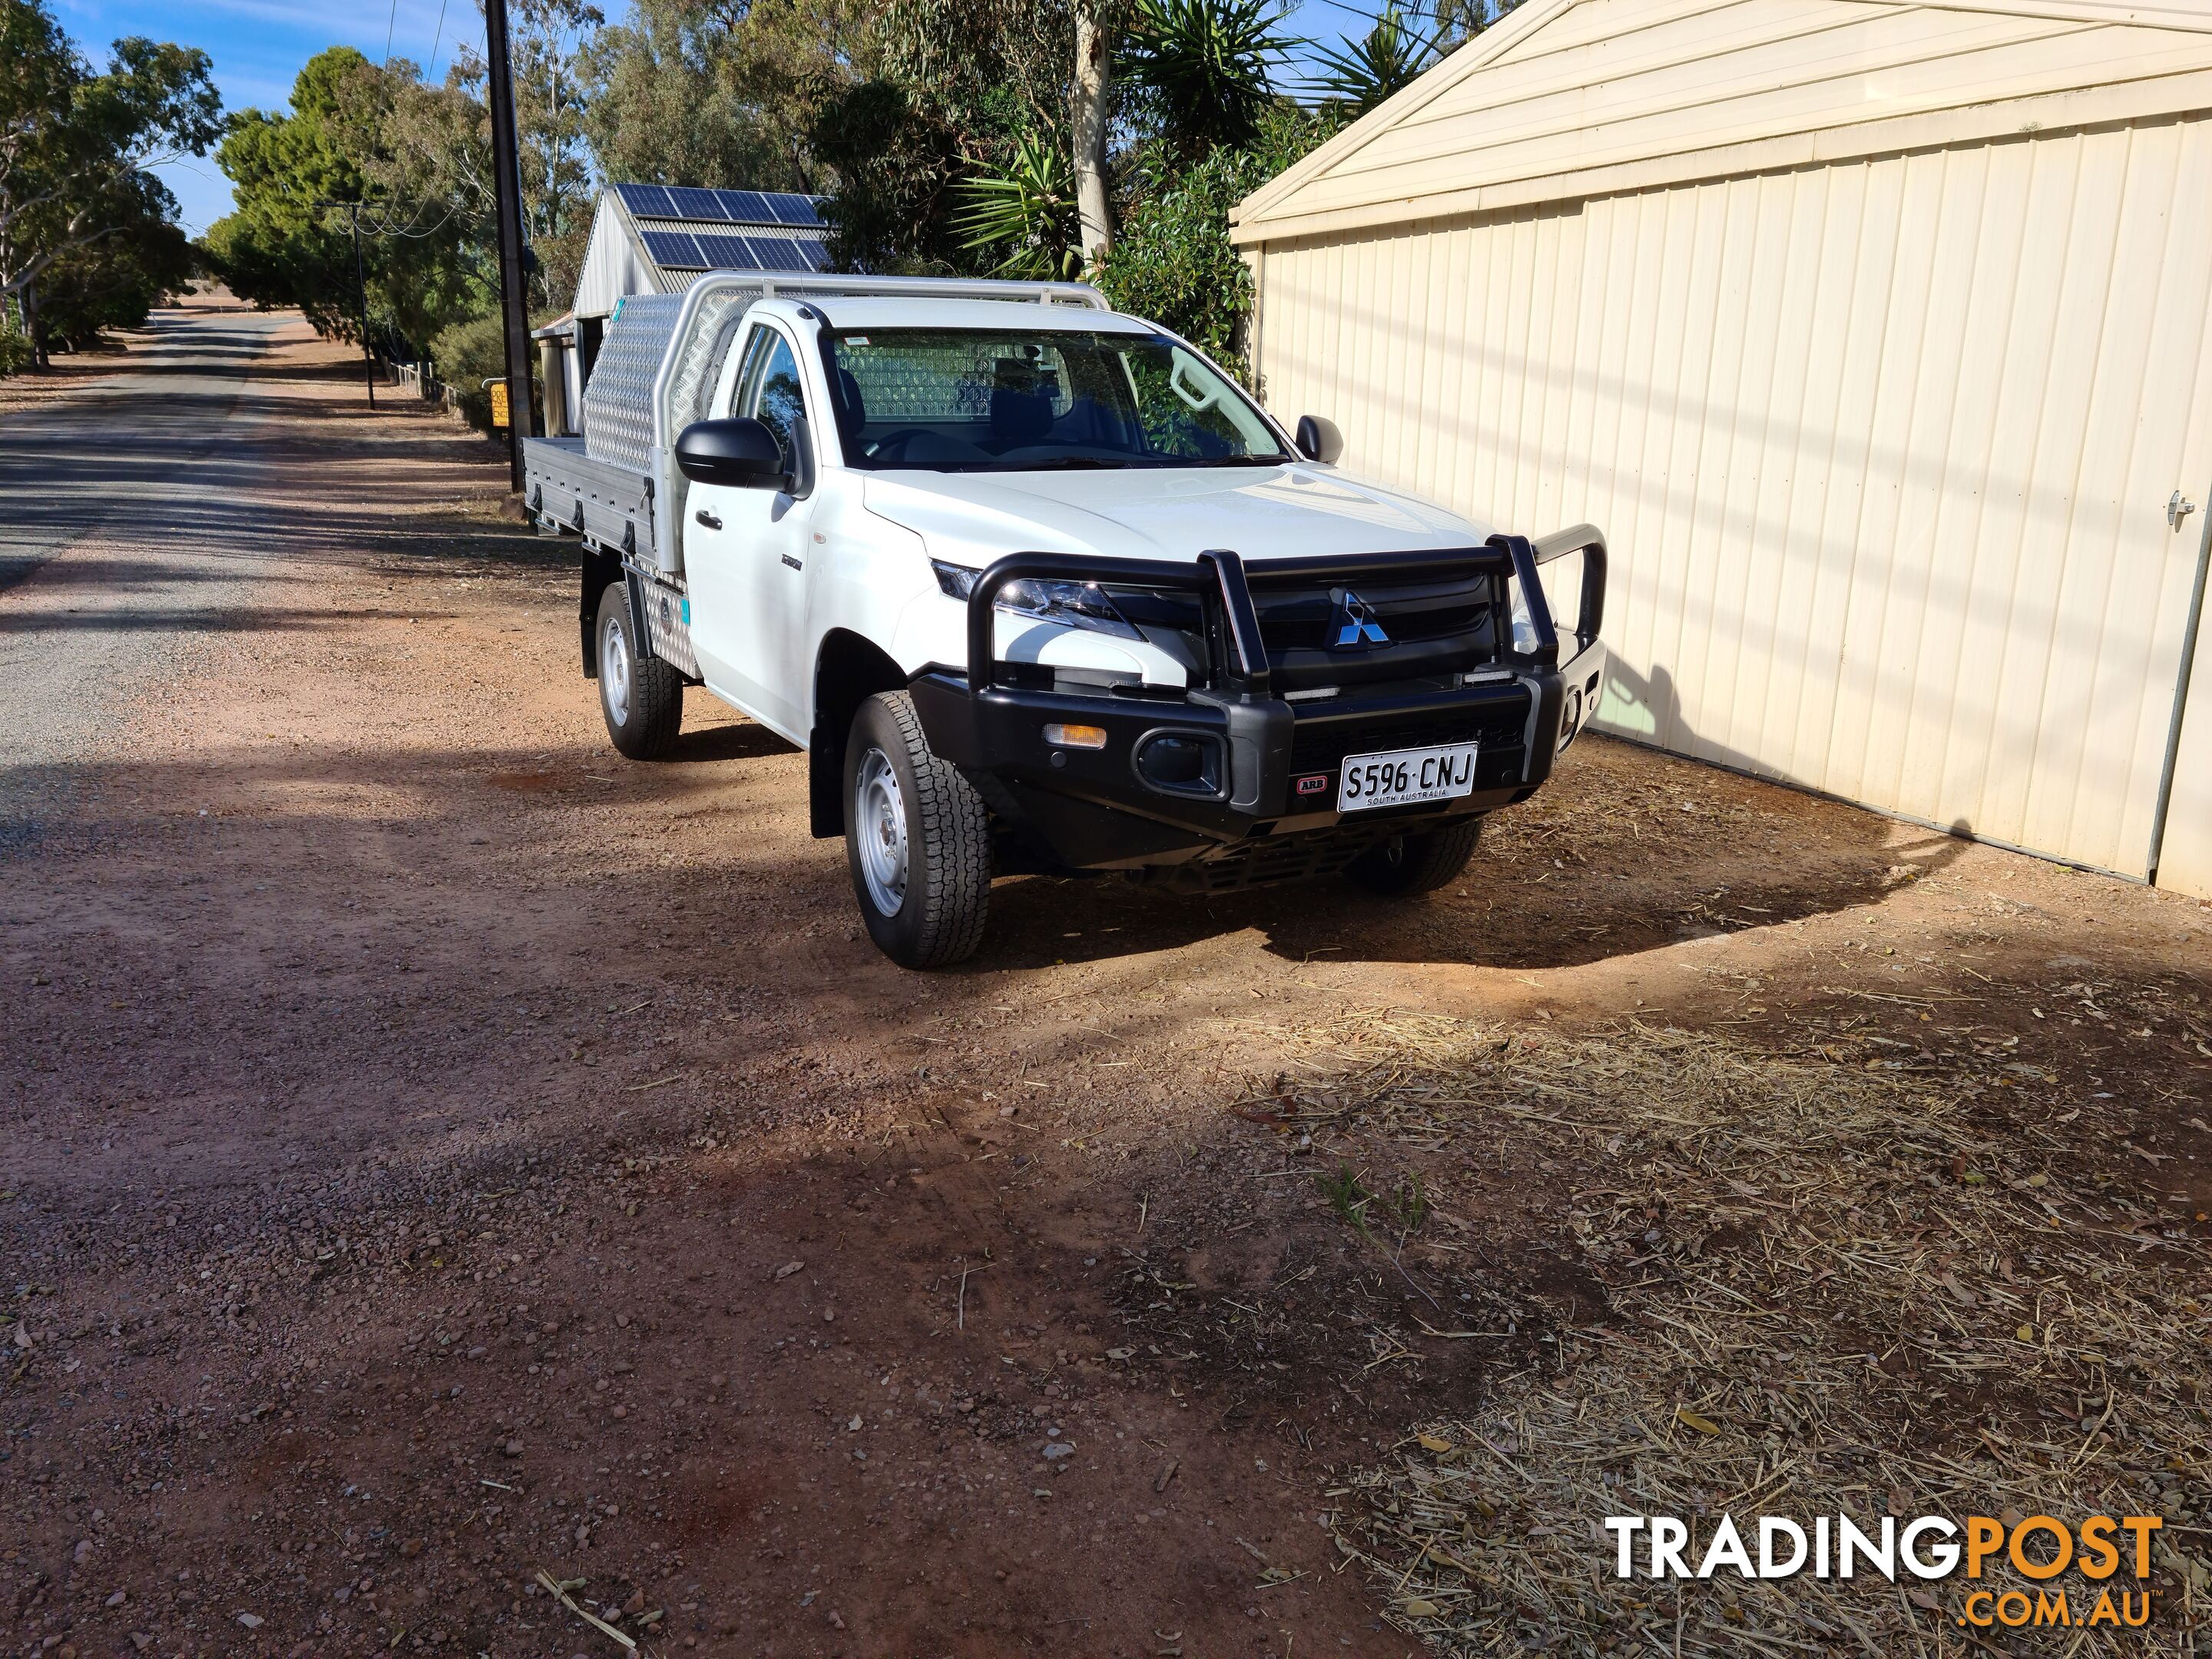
1883	450
614	264
1607	83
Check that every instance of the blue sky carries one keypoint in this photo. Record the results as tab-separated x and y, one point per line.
257	46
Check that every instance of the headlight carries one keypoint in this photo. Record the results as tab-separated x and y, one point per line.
1070	605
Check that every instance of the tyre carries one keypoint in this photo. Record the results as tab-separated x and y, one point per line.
642	699
1406	865
918	839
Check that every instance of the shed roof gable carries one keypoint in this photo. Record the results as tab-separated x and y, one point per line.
1564	95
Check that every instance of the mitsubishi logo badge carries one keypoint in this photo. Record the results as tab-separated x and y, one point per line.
1354	626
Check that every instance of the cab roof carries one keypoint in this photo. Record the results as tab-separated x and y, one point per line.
859	313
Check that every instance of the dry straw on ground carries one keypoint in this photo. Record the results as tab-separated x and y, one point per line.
1831	1290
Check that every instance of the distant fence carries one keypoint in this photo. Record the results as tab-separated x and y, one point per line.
423	379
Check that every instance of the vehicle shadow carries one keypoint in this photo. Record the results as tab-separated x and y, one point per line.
1629	850
739	739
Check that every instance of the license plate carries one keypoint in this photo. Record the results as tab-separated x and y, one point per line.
1406	775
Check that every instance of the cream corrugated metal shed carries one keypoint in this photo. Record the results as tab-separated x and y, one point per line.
1877	336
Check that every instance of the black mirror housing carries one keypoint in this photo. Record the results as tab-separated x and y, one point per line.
742	452
1319	440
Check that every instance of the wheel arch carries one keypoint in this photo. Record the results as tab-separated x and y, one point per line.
849	670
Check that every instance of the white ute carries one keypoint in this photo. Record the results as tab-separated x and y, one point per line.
1039	587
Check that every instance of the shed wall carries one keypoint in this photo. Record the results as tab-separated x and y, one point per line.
1883	448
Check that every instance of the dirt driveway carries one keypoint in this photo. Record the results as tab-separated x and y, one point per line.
438	1153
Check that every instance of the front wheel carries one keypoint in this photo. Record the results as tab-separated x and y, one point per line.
1405	865
641	697
918	839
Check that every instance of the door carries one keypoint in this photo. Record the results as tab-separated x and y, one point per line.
745	552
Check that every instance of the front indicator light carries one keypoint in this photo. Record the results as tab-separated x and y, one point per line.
1076	737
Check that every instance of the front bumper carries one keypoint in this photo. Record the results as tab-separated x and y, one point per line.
1091	808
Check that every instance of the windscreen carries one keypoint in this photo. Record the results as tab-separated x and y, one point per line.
972	400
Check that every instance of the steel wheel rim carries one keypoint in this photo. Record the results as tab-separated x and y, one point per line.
614	672
879	824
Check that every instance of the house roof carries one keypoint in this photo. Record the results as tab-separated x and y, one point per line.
1565	99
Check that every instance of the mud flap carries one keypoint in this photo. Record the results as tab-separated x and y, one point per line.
825	787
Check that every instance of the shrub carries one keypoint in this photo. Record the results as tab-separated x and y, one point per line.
465	356
16	353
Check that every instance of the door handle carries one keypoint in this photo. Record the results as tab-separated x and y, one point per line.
702	516
2180	507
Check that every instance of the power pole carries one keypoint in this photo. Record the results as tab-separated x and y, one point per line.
506	185
361	284
360	292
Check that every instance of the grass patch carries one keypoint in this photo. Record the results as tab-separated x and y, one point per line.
1828	1290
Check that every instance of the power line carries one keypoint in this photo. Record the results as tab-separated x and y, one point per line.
391	18
436	40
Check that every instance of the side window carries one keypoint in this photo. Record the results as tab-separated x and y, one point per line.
749	370
772	396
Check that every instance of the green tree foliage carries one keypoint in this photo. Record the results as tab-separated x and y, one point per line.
1384	62
279	246
953	86
1203	70
1026	214
76	148
115	282
1173	263
724	92
1402	45
551	44
415	157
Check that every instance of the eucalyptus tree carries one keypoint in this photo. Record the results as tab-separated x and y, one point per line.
77	146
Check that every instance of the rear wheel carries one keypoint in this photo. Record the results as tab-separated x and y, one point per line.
1406	865
643	698
918	839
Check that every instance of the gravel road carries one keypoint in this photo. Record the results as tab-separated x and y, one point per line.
434	1152
143	471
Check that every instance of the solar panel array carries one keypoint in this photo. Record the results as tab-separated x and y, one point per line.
682	250
729	207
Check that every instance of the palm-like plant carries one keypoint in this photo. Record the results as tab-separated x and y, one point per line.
1391	57
1029	209
1209	65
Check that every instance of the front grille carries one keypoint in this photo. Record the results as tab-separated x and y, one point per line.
1411	613
1318	746
1432	625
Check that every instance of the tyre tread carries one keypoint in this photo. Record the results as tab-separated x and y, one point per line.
955	827
1430	859
656	691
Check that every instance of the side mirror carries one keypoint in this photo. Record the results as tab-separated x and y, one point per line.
740	452
1319	440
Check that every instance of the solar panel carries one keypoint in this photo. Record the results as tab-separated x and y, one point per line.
694	203
728	253
794	210
775	253
647	201
673	250
816	254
